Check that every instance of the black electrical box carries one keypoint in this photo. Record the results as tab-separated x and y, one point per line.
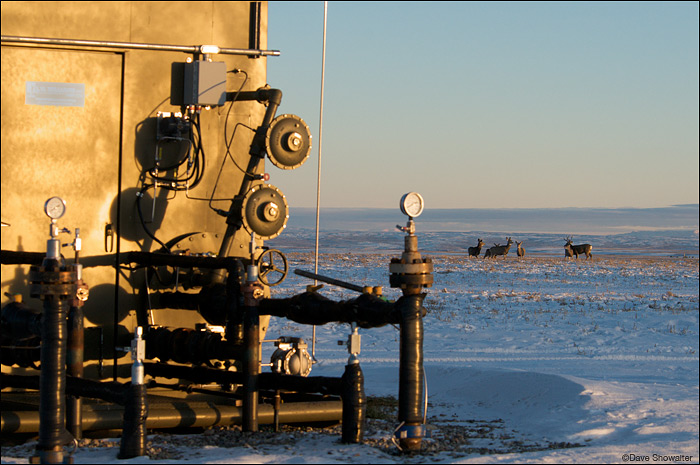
198	83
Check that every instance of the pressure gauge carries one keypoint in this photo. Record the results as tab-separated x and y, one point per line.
55	208
411	204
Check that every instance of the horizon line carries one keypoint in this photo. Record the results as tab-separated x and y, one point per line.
683	205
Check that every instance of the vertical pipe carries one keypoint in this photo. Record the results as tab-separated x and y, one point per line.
320	145
52	380
76	338
320	134
252	291
133	442
251	368
276	416
117	270
354	404
273	97
411	428
234	320
53	285
411	370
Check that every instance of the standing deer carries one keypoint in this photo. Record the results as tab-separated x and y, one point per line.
497	250
571	250
475	251
568	252
521	249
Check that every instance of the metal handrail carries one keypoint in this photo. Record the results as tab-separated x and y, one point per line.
136	46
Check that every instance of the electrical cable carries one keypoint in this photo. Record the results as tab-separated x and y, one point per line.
139	196
229	141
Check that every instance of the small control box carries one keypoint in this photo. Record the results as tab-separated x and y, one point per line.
198	83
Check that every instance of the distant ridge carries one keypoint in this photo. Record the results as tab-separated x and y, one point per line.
532	220
664	243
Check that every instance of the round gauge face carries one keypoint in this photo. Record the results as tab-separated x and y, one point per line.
412	204
55	208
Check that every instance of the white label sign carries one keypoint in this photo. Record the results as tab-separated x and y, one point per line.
60	94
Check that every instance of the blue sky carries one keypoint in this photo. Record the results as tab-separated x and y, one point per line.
492	105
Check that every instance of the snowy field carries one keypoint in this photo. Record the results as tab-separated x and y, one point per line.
534	360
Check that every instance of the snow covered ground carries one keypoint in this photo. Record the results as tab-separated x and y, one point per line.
534	360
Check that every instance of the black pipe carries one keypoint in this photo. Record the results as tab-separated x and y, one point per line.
11	257
184	261
20	321
133	441
76	356
233	319
354	404
311	308
55	285
326	279
52	380
194	416
252	291
266	381
24	353
113	392
184	345
20	334
251	369
273	98
411	368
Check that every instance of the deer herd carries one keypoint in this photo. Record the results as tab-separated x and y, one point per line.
570	250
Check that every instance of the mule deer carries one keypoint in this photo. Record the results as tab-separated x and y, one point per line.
521	250
499	250
568	251
571	250
475	251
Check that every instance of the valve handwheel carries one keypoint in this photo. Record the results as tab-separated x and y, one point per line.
268	265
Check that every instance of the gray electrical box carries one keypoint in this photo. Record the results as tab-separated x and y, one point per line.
203	83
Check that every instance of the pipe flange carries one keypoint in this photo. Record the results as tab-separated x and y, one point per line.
414	274
418	267
52	282
410	280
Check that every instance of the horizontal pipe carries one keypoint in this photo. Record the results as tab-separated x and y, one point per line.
311	308
187	416
326	279
80	387
271	381
134	46
11	257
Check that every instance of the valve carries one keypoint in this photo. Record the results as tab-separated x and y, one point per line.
353	344
252	289
272	262
138	354
291	357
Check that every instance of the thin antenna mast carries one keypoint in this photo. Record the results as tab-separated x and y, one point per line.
320	144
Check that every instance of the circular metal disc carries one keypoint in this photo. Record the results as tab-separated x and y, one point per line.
288	142
265	211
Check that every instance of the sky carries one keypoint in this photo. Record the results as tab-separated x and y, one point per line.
491	104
